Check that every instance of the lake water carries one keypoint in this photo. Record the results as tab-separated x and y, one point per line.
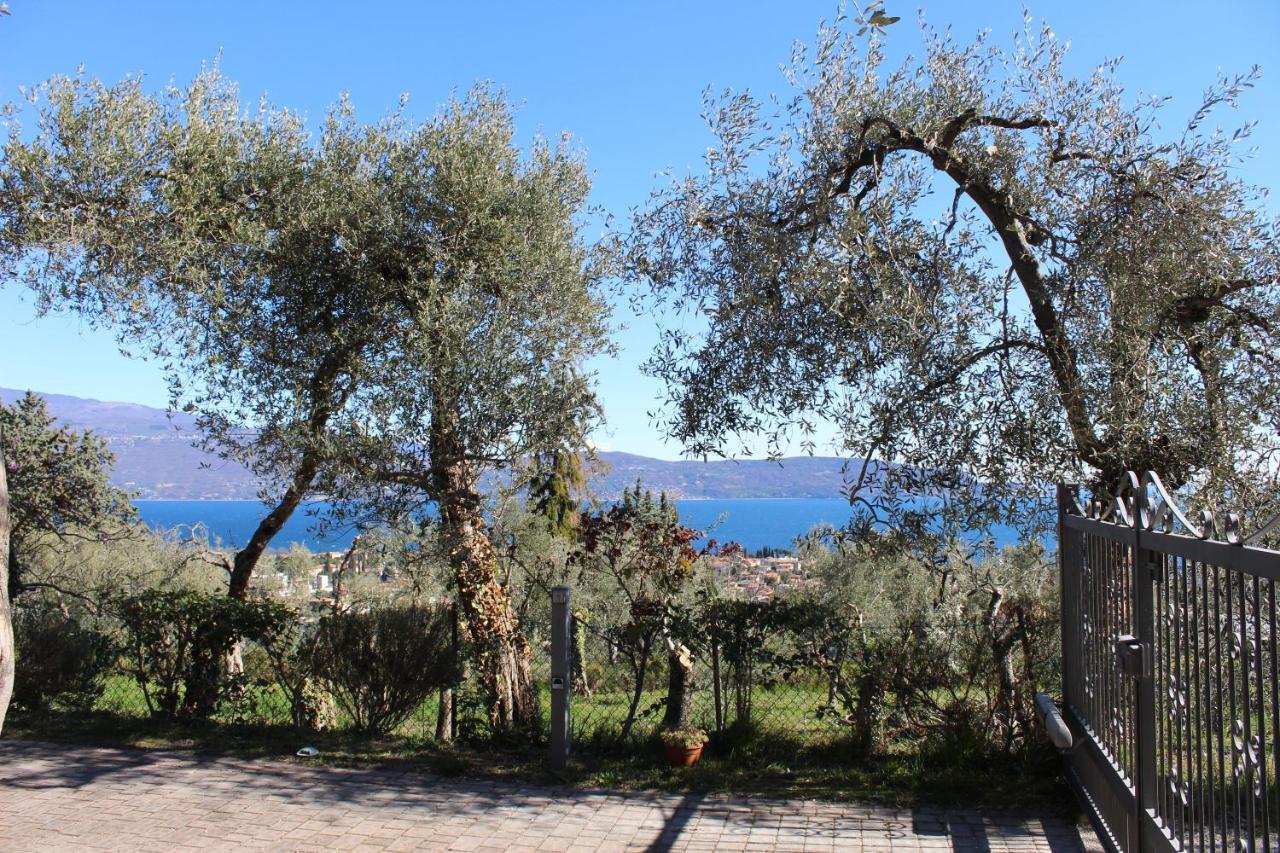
751	523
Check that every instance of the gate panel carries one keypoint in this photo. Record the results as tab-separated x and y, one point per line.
1217	705
1099	697
1179	741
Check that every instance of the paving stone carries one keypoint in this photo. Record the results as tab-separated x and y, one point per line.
61	798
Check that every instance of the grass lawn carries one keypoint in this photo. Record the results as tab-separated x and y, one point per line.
789	752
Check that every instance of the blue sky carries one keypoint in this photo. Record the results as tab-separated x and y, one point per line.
626	79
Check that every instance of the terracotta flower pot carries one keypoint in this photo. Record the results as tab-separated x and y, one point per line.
683	756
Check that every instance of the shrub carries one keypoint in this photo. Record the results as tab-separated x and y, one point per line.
382	664
737	634
256	662
282	658
177	643
58	659
943	646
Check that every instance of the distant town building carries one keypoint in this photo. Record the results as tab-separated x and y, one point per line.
759	578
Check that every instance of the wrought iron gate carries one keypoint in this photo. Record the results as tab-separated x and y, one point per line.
1169	641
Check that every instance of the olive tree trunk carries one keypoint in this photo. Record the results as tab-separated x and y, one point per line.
444	715
1005	629
866	711
502	651
6	614
246	559
324	402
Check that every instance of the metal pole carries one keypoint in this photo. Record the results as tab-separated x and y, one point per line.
1069	585
457	659
560	676
1148	570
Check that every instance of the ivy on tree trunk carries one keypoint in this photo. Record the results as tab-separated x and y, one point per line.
502	652
6	613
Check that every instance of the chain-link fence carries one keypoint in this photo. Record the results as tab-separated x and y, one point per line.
733	676
618	699
802	677
789	677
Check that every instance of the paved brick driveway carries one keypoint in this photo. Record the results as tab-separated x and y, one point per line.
56	797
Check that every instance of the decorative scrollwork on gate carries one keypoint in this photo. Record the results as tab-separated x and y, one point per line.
1192	739
1144	502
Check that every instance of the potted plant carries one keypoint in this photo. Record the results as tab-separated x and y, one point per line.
683	745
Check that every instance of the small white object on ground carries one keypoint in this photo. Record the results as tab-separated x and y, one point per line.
308	751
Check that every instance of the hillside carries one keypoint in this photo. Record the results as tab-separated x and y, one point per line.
156	460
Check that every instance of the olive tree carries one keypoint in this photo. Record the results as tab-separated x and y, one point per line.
986	273
399	302
506	309
230	246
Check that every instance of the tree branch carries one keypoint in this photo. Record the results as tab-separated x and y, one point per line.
1016	231
977	356
1195	308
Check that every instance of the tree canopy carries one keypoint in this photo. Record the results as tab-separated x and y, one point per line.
316	301
988	274
58	483
504	315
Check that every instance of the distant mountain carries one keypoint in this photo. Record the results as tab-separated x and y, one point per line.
155	459
110	419
154	454
792	477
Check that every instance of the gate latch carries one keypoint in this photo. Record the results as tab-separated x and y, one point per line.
1133	657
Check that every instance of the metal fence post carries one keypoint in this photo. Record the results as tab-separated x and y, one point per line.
1144	580
561	648
457	657
1069	579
